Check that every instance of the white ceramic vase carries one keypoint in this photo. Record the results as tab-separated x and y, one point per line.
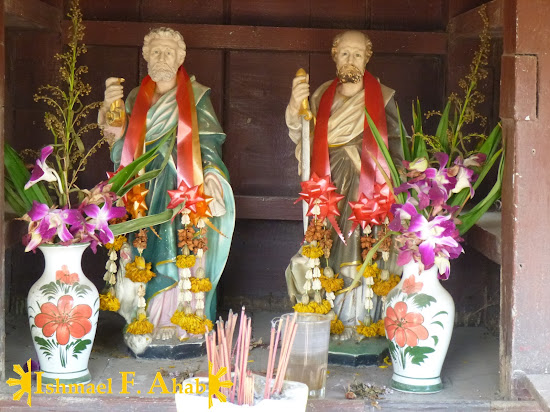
418	318
63	307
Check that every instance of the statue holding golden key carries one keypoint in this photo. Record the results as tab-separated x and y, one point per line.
338	170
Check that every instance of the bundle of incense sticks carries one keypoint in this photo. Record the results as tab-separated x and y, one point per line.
222	354
289	333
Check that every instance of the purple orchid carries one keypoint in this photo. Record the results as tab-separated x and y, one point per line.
46	223
402	214
41	170
100	219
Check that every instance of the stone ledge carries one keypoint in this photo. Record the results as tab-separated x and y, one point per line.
539	387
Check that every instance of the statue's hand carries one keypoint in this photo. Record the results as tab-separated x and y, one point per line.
300	91
213	188
113	91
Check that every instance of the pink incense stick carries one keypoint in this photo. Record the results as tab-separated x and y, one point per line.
287	357
238	351
269	371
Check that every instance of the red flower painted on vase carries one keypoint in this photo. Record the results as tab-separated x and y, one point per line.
64	276
64	320
410	285
405	327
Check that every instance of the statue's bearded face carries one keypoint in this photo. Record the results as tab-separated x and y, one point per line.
163	63
351	58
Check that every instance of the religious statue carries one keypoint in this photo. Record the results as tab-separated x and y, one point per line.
168	274
342	147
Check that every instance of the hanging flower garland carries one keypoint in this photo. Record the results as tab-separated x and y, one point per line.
108	300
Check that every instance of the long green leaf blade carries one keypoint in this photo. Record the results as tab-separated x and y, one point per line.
442	129
143	222
404	138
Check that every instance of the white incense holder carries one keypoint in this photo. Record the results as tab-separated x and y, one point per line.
293	398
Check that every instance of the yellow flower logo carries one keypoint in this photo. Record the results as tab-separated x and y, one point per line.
214	385
24	382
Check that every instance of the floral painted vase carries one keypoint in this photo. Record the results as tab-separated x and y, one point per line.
419	319
63	307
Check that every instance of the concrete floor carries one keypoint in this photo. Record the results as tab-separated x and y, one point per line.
470	375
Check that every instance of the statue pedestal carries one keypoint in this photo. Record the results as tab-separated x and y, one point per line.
370	351
173	349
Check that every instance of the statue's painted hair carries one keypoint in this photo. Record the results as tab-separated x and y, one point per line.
338	38
164	33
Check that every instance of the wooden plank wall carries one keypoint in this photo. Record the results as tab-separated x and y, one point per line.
249	67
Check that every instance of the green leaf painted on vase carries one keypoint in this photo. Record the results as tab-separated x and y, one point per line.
418	353
80	346
436	340
422	300
440	313
438	323
46	346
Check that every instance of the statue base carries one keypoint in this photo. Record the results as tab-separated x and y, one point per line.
172	349
370	351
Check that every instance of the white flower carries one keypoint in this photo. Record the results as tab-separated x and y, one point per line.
185	218
200	273
369	293
201	223
309	274
141	302
367	230
187	296
369	281
330	296
307	285
186	284
141	290
199	296
200	253
113	255
385	275
112	279
385	255
316	272
199	304
316	284
316	210
368	304
185	273
107	276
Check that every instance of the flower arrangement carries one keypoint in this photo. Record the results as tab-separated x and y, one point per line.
57	209
440	175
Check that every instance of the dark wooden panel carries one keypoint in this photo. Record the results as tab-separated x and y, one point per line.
32	64
268	207
177	11
258	152
228	37
260	252
470	24
457	7
108	10
407	15
270	13
350	14
208	68
32	14
2	224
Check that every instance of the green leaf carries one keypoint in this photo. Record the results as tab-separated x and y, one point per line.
150	175
422	300
442	129
143	222
80	346
440	313
418	353
384	149
438	323
404	138
472	216
436	340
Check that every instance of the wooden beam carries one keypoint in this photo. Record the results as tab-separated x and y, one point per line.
231	37
32	14
267	208
2	207
469	24
485	236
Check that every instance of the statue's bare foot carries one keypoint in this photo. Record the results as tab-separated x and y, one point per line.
347	333
165	332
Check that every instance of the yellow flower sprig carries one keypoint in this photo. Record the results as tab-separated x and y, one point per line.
312	252
336	327
139	271
140	326
200	285
192	323
108	302
185	261
383	287
376	329
313	307
331	284
117	243
372	271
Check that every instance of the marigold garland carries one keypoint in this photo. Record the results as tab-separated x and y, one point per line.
185	261
372	270
331	284
117	243
140	326
376	329
139	271
383	287
200	285
193	324
312	252
336	327
313	307
108	302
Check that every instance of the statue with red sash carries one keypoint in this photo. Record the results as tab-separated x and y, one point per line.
342	149
188	254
